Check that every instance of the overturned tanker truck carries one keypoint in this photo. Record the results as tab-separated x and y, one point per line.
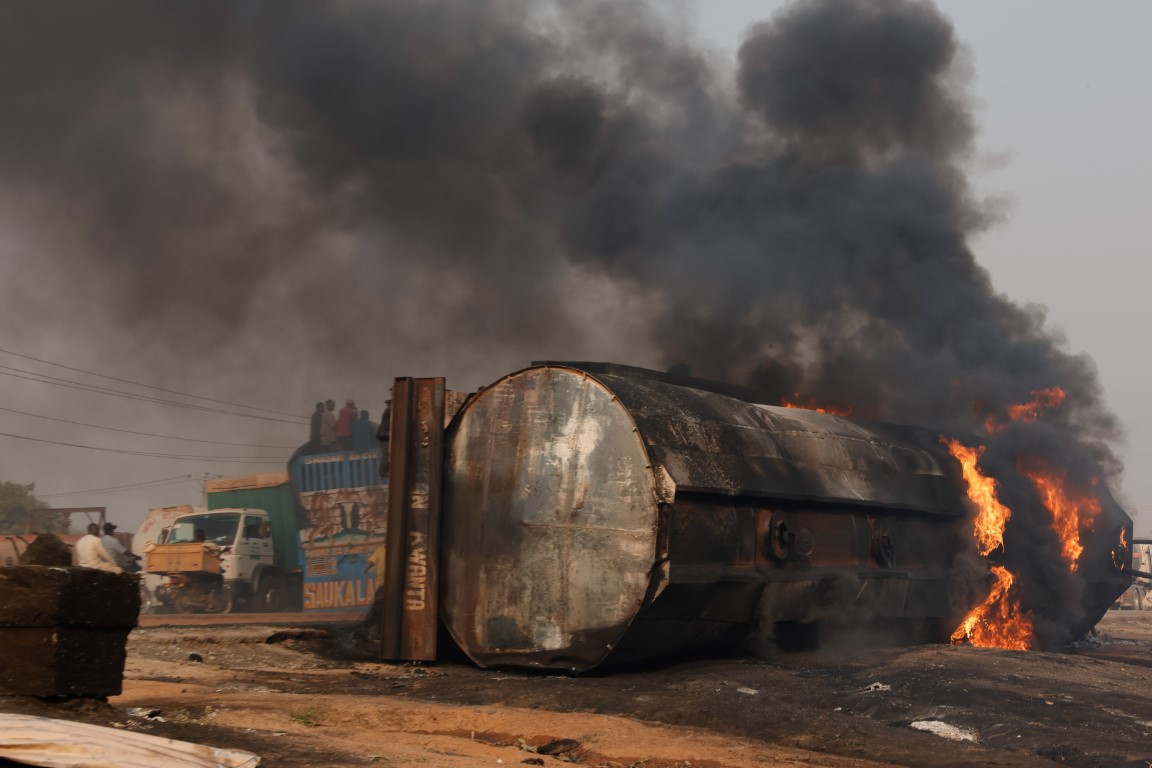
576	514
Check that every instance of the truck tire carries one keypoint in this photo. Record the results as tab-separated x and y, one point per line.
148	601
183	602
223	600
269	593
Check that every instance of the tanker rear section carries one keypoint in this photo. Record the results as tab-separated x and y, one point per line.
574	515
596	517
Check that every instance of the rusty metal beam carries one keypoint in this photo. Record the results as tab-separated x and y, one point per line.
411	582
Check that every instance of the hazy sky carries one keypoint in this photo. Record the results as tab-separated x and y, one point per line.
1062	93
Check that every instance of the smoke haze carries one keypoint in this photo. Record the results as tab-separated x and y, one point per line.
301	196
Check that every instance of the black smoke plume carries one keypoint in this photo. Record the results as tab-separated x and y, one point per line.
463	186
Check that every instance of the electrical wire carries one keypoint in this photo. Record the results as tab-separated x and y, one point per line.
156	455
146	434
126	487
68	384
147	386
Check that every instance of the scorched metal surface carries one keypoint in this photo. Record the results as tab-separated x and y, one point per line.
594	515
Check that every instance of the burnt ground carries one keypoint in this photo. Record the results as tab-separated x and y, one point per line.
298	697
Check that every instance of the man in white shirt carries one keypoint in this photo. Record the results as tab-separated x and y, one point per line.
90	552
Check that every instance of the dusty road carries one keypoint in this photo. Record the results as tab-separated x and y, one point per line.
300	697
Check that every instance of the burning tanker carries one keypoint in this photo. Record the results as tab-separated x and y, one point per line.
596	512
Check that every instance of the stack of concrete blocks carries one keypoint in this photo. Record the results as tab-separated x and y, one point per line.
64	631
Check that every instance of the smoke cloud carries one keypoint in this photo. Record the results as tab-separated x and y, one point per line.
383	188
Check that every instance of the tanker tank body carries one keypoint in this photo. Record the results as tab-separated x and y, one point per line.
594	511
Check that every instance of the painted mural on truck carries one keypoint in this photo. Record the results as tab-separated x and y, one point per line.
344	503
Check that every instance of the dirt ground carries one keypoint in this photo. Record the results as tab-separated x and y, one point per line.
300	697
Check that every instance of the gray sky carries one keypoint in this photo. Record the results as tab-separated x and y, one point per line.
1063	108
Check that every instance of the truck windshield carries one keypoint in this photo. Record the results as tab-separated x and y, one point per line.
218	529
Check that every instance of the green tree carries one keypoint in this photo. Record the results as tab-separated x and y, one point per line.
16	501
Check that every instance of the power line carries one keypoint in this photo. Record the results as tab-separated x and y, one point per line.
68	384
145	434
147	386
153	454
126	487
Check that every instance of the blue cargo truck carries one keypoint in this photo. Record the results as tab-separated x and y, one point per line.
342	506
310	539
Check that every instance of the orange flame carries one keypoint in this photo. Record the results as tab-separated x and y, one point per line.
1042	400
1119	561
1071	509
988	527
809	405
998	621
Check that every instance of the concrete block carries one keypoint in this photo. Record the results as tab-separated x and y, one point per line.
64	631
39	596
62	661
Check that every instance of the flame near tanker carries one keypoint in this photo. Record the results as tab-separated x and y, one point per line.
463	186
1001	620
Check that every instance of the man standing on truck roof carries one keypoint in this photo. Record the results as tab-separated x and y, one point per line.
90	552
315	444
328	426
344	424
364	433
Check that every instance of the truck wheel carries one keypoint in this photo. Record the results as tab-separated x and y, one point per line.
185	603
148	603
222	600
269	596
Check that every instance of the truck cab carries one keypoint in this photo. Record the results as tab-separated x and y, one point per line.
228	553
1139	595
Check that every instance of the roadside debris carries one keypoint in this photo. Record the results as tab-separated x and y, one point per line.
942	729
557	747
52	743
144	713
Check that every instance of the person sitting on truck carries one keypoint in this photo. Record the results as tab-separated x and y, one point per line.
90	552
